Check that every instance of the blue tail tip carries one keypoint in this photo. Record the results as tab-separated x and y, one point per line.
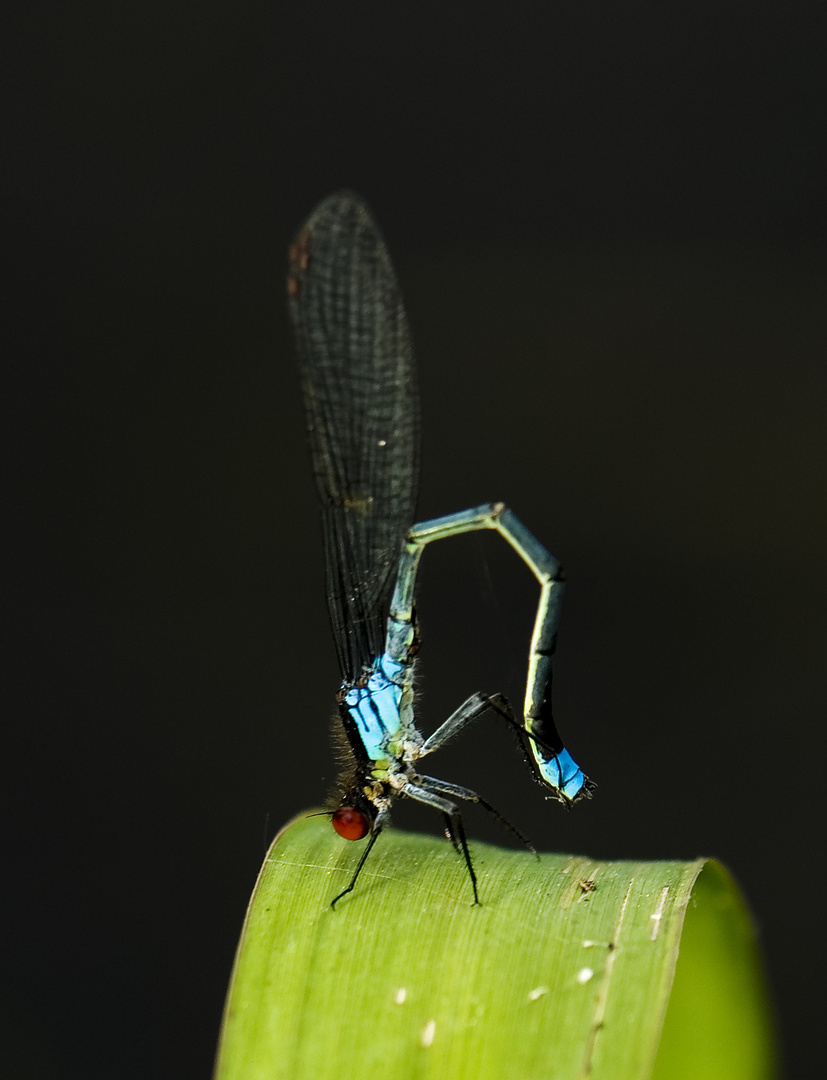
571	783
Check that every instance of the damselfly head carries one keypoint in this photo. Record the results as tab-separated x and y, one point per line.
351	823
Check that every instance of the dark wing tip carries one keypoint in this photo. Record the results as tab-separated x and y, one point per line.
343	213
341	205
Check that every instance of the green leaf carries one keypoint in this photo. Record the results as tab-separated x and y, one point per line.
564	970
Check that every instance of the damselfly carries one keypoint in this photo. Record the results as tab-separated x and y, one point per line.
362	407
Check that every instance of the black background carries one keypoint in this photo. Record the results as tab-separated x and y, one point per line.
609	224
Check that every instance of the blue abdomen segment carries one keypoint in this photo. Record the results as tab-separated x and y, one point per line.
562	772
375	707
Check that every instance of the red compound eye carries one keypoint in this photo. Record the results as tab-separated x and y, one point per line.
350	823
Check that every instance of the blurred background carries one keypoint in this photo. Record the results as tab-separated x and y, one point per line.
609	225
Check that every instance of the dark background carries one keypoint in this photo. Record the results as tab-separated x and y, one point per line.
609	224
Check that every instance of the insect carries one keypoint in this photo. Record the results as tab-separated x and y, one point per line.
361	402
